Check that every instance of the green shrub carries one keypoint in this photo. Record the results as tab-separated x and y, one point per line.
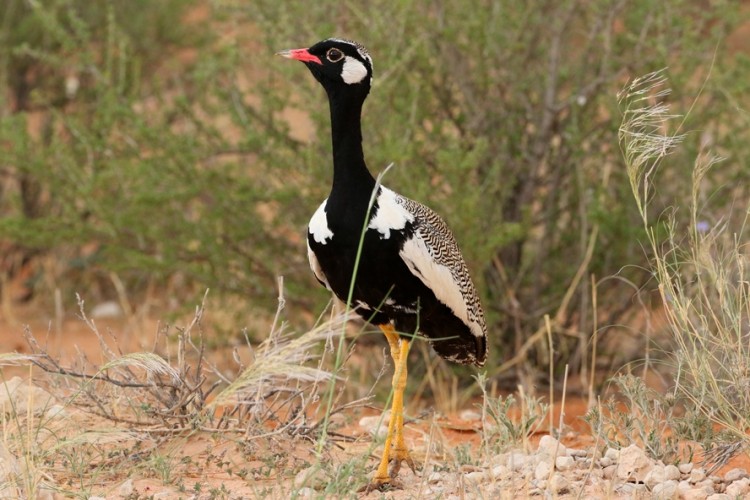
185	171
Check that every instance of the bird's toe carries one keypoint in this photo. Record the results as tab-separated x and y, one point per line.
382	484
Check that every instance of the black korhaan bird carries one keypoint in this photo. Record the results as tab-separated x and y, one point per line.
411	278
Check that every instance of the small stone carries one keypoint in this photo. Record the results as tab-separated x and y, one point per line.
609	472
109	309
17	393
96	498
684	485
470	415
435	477
559	484
697	475
45	492
311	477
518	460
694	494
654	477
57	411
605	462
338	419
738	489
126	488
685	468
671	473
306	493
633	464
631	488
596	473
376	425
565	463
667	489
551	447
735	474
572	452
707	483
477	477
612	454
542	471
719	496
500	471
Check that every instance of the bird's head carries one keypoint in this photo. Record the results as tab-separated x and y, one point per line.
339	65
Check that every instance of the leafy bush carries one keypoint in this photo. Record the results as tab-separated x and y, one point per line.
179	159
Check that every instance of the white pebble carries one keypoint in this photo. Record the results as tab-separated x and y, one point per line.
559	484
667	489
609	472
517	460
654	477
311	477
565	463
577	453
435	477
719	496
633	464
685	468
738	489
551	447
470	415
697	475
376	425
671	473
306	493
126	488
542	471
735	474
500	471
684	485
476	477
612	454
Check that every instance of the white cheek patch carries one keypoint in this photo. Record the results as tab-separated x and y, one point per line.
391	215
318	226
353	71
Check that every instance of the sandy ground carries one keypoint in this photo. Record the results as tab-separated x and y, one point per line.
125	461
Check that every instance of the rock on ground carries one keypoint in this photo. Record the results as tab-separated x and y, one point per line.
551	447
15	393
633	464
738	489
735	475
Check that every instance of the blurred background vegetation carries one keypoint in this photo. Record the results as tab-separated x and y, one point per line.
151	150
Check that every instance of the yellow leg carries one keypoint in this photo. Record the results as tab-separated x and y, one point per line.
395	452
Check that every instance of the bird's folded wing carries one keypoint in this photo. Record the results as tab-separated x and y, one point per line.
432	254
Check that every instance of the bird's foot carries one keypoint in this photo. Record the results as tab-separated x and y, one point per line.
397	456
382	484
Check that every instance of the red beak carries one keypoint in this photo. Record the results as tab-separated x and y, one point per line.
300	55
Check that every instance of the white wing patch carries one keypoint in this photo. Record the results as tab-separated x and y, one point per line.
318	226
353	71
315	266
437	278
391	215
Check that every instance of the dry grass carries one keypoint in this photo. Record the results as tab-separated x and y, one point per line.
701	269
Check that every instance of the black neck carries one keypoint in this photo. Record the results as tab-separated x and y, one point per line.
350	175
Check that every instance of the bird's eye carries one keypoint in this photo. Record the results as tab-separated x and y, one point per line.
334	55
